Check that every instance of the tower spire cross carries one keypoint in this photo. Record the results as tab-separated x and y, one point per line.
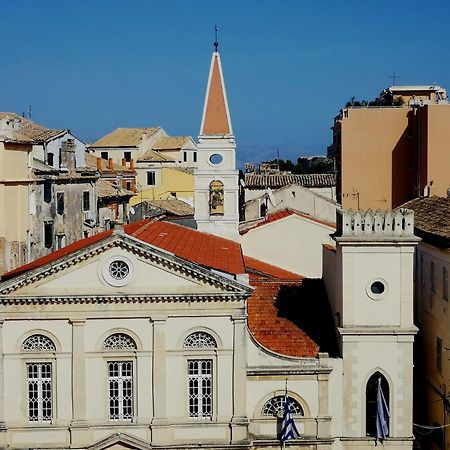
216	41
394	77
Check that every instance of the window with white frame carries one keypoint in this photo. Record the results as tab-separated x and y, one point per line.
120	375
200	375
39	379
120	378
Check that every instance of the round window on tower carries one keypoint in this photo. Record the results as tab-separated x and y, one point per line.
116	270
377	288
215	159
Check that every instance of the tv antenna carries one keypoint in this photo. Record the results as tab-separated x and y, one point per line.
394	77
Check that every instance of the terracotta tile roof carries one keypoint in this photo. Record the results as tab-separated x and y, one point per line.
57	254
173	206
260	268
30	129
431	219
201	248
124	137
91	161
171	142
155	156
291	317
107	190
277	180
247	226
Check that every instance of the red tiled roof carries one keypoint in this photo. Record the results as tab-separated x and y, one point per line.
275	333
255	267
57	254
281	215
201	248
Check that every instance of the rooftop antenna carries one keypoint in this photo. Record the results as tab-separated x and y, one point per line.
29	112
216	40
394	77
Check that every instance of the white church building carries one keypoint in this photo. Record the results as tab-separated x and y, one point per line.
158	336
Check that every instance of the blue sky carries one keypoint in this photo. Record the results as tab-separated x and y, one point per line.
289	65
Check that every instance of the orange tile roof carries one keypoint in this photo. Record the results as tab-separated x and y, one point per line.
201	248
281	215
278	334
257	267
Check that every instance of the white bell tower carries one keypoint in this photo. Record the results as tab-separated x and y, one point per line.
216	179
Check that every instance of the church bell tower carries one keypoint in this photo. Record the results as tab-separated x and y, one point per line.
216	178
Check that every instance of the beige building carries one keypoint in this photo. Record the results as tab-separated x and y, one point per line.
432	224
386	155
48	196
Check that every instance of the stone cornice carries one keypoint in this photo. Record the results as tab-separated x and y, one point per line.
121	298
140	248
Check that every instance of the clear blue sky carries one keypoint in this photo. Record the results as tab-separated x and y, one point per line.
289	65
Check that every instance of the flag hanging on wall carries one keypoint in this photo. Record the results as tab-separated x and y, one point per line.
382	414
288	428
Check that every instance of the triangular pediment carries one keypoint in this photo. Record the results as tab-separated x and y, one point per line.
120	441
121	266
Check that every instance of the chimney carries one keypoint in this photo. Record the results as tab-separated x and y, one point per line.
144	136
99	163
68	154
124	162
131	164
110	163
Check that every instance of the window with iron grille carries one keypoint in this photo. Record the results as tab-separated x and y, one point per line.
120	374
39	381
200	339
200	388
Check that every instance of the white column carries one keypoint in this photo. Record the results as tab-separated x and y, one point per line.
239	421
160	425
2	385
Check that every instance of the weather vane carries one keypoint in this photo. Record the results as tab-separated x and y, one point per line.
216	43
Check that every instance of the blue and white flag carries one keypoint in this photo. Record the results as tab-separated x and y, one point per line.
288	428
382	414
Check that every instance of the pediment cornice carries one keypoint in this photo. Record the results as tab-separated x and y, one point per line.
153	254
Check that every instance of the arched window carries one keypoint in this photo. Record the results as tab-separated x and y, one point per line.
216	197
275	407
371	401
200	376
200	339
39	379
38	343
119	341
120	378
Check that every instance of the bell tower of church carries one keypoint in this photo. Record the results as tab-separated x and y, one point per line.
216	178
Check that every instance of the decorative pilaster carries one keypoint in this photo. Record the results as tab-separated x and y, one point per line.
160	427
2	385
239	421
79	424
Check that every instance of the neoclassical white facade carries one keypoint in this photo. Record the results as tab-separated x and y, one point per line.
133	339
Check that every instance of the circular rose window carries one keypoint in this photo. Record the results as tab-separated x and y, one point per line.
119	269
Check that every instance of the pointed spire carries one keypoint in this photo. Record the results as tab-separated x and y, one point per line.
216	115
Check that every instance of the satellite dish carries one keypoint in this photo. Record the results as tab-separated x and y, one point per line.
242	183
271	197
132	210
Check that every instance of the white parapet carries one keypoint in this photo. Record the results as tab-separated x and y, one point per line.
376	224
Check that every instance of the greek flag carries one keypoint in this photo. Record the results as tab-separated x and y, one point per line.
288	428
382	414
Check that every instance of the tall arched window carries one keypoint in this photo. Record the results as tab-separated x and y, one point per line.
120	377
200	374
216	198
371	401
39	379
